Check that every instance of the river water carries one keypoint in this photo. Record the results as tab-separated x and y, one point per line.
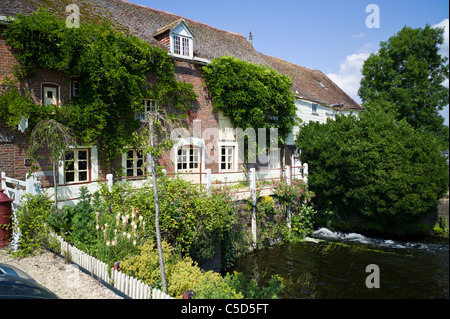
333	265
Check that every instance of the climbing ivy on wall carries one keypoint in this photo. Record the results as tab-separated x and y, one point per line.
251	95
112	68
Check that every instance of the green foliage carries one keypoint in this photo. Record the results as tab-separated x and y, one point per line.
235	286
296	191
13	106
409	72
61	221
182	274
302	224
374	167
250	94
112	69
31	218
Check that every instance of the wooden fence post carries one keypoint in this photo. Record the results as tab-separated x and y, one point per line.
208	181
109	182
305	173
253	195
288	207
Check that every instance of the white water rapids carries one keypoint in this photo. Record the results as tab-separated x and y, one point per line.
324	233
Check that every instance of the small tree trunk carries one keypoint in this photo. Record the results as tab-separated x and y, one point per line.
158	231
55	183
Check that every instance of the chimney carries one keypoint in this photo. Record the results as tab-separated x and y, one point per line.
250	38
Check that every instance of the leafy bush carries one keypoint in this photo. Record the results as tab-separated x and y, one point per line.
182	274
302	224
297	191
375	168
31	218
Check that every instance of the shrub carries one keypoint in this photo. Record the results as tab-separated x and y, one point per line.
31	218
375	168
182	274
296	191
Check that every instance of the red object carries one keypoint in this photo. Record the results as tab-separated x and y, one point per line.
5	219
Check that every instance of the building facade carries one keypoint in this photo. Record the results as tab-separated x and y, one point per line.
209	141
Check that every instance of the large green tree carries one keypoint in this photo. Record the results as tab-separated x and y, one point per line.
374	168
408	72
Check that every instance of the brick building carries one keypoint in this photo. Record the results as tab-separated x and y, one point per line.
192	45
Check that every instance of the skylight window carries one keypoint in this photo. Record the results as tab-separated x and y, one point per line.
321	84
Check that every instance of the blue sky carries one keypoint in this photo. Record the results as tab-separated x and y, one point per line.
327	35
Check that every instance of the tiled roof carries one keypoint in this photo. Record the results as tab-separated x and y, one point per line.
210	42
313	85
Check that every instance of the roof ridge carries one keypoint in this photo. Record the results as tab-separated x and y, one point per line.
184	18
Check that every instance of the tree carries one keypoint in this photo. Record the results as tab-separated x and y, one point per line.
159	127
375	168
57	139
408	72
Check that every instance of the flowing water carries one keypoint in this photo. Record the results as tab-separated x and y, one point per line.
333	265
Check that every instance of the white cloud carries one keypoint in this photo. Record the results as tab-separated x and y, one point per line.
358	36
348	77
444	50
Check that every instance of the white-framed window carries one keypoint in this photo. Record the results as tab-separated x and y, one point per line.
181	46
226	158
182	41
74	86
77	166
188	158
149	106
135	163
50	94
314	109
185	46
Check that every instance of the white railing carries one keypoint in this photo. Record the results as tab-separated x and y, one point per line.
127	285
16	188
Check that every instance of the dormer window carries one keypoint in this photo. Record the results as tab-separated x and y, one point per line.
181	41
178	39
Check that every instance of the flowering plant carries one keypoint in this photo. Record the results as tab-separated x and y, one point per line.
297	190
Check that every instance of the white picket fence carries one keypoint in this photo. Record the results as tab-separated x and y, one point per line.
128	285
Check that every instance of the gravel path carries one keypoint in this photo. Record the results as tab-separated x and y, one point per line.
66	281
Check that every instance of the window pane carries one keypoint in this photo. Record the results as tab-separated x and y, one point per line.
130	163
70	166
176	45
185	47
82	176
82	155
70	177
69	156
129	172
82	165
